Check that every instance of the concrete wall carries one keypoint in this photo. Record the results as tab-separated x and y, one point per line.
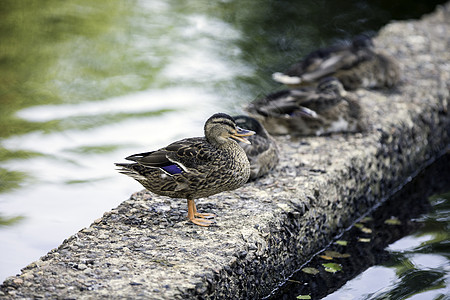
265	230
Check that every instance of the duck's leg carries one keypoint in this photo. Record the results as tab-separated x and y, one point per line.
202	215
192	214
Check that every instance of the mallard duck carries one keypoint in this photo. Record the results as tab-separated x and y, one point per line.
263	151
357	64
309	111
195	167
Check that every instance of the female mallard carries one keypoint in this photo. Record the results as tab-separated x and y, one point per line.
262	153
309	111
195	167
356	65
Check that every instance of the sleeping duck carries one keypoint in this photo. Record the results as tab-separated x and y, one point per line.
304	111
357	65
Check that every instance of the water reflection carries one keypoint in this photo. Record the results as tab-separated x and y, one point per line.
84	83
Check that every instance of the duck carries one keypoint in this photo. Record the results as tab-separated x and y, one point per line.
325	109
195	167
263	152
357	65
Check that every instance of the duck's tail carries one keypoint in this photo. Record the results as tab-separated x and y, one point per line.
135	171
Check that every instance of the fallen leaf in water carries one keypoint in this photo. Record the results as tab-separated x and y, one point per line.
332	267
336	254
312	271
393	221
366	219
363	228
326	257
295	281
366	230
341	243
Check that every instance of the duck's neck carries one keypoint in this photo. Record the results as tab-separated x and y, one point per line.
232	148
228	145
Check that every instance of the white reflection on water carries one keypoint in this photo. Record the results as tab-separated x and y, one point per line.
374	280
150	100
429	261
409	243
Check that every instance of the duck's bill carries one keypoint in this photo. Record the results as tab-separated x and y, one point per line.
241	133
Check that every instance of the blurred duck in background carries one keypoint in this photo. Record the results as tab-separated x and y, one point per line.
305	111
357	65
263	151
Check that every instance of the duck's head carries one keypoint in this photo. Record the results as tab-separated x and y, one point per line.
251	124
331	85
220	127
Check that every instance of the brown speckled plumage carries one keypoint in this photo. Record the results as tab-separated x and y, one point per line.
263	151
309	111
357	64
195	167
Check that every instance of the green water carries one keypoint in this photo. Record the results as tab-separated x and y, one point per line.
85	83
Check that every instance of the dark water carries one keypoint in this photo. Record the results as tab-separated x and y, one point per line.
85	83
399	251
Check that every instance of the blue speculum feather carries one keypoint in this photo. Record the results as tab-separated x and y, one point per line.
172	169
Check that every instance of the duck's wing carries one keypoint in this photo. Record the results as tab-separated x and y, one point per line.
315	59
320	101
300	96
340	60
288	110
258	146
155	159
177	157
285	96
268	105
329	66
285	103
276	108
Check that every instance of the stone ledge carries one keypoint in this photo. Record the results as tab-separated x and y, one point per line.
144	249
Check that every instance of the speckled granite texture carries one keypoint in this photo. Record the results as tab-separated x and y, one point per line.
145	249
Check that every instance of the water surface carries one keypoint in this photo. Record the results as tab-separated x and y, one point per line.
398	251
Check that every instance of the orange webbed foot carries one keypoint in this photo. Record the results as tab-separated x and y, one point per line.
202	222
204	215
202	219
